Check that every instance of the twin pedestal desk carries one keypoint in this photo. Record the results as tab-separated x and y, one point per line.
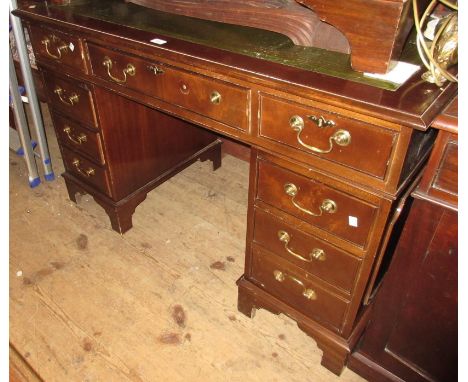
332	160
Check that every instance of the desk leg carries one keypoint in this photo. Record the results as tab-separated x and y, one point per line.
334	359
335	348
73	189
249	299
213	154
121	215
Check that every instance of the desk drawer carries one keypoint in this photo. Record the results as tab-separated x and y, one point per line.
86	170
79	138
306	251
331	137
129	71
316	203
72	98
297	288
219	100
58	47
446	179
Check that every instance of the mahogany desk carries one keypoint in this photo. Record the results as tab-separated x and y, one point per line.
331	158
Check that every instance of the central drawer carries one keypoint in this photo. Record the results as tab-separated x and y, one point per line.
222	101
316	203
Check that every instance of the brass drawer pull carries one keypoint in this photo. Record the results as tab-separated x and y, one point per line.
87	173
129	70
340	137
315	254
309	294
80	139
327	205
215	98
70	101
61	48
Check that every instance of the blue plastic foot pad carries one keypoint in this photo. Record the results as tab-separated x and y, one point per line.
21	90
34	182
49	177
20	151
47	161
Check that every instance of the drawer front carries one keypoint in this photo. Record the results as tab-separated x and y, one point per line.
57	47
316	203
352	143
297	288
86	170
79	138
129	71
306	251
439	182
72	98
219	100
446	177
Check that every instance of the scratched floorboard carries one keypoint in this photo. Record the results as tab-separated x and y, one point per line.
157	304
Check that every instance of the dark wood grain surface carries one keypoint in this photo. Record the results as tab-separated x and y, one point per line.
448	120
413	331
365	140
71	98
328	308
440	180
306	230
310	196
79	137
63	48
376	29
86	170
337	267
142	143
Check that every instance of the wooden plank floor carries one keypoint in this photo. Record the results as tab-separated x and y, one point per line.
156	304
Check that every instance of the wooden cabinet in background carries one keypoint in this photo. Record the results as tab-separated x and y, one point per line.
413	330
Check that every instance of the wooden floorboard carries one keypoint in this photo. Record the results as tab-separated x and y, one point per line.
156	304
20	370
